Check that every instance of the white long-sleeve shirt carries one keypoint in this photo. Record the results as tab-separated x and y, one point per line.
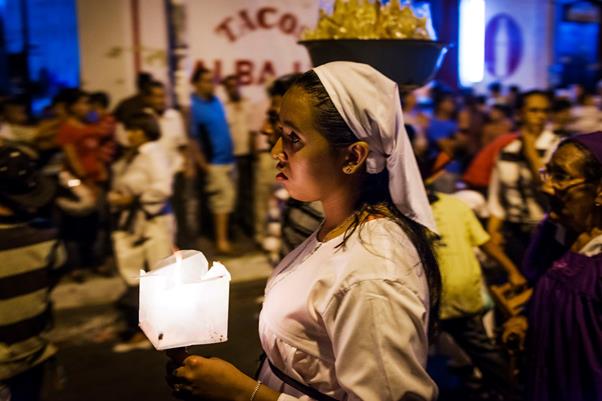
148	176
350	322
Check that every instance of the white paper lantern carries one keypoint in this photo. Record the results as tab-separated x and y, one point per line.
183	302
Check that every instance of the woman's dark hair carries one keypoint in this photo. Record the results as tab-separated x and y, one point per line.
522	99
148	89
100	98
375	193
592	169
282	84
198	74
495	87
143	79
561	105
145	122
72	96
440	97
502	108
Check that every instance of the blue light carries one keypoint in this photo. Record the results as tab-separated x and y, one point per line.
471	58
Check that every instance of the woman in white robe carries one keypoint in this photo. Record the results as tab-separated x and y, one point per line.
346	315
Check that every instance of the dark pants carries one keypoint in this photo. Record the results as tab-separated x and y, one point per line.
184	206
517	238
128	305
469	333
243	213
27	386
80	234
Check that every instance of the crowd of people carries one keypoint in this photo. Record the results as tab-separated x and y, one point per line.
513	193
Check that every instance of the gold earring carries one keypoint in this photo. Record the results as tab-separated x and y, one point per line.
348	170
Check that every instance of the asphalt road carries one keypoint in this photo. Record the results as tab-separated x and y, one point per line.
88	370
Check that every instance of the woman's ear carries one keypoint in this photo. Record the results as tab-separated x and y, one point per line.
356	156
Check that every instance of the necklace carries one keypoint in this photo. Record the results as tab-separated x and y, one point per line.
361	217
294	263
338	230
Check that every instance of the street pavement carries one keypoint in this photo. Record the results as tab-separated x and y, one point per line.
87	323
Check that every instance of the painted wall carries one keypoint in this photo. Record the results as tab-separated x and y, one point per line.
106	33
255	38
105	36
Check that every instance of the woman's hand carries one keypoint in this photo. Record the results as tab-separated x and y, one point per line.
211	379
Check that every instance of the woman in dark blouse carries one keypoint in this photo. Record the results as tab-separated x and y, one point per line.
564	262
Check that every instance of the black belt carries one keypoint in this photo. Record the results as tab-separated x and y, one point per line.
309	391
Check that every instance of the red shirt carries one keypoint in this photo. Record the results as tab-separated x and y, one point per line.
479	171
86	139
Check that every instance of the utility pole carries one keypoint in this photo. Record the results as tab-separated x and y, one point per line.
177	54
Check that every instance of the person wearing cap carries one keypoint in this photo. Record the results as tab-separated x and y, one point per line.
346	314
564	262
30	252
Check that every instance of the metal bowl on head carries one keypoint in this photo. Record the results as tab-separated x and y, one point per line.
411	63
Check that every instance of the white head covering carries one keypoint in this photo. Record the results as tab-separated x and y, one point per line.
369	103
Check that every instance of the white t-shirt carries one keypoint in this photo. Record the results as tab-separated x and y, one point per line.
350	322
238	115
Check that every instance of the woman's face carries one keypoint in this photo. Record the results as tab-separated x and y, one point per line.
572	197
310	168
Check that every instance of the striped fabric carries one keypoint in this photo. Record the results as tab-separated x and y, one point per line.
513	192
299	221
27	253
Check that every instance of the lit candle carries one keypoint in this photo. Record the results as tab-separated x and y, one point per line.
183	302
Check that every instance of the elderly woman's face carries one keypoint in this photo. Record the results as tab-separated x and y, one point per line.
572	197
310	168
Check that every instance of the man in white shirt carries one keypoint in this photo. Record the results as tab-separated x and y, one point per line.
238	114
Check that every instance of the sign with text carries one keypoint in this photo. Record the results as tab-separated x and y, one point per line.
255	39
